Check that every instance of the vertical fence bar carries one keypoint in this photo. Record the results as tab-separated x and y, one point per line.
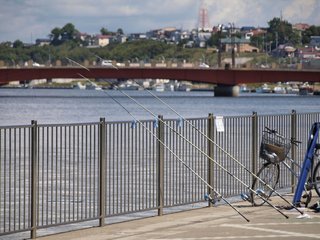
34	173
254	143
102	177
160	167
293	148
211	154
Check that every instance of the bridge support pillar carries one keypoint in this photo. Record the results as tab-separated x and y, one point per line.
226	91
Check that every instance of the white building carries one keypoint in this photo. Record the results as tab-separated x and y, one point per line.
102	40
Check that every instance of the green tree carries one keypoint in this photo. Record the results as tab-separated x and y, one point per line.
312	31
257	41
69	32
105	31
119	31
281	32
215	39
55	36
17	44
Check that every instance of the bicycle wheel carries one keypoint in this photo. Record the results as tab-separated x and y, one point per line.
316	178
269	174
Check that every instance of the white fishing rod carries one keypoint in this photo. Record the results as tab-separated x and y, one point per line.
206	155
171	151
224	151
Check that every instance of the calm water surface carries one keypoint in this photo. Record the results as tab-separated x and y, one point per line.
20	106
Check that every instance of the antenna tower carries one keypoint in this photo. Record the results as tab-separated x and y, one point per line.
203	18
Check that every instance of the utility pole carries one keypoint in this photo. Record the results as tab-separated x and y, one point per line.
219	45
232	44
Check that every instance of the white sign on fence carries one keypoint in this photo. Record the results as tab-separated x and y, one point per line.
219	124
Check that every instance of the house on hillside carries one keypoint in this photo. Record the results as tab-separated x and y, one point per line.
169	34
301	26
254	32
83	36
43	42
240	44
87	39
285	50
315	41
121	38
102	40
309	53
137	36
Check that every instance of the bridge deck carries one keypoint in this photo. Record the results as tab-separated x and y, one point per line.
204	75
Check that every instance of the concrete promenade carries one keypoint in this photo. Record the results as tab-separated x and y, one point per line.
210	223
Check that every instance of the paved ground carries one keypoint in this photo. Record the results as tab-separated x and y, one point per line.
209	223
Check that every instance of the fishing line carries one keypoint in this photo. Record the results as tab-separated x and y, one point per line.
224	151
172	152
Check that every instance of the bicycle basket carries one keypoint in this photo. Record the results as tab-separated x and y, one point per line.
274	148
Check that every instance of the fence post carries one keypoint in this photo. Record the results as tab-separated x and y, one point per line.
254	143
211	154
102	170
160	167
34	178
293	148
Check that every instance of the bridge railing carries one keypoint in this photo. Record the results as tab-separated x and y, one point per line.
226	64
58	174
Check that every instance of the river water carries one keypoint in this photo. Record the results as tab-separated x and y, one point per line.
20	106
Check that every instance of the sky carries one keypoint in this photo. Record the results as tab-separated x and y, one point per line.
28	20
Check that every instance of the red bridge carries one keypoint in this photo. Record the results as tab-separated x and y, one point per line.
225	79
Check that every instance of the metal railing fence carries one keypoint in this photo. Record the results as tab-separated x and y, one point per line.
67	176
131	168
15	178
59	174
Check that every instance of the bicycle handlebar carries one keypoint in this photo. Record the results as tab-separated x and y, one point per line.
273	131
295	142
269	130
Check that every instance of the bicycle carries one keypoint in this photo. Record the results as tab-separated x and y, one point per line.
274	149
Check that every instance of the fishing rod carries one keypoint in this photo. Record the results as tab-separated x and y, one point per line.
224	151
172	152
206	155
223	168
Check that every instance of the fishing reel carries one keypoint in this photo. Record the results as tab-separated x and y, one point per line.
261	193
216	198
247	197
